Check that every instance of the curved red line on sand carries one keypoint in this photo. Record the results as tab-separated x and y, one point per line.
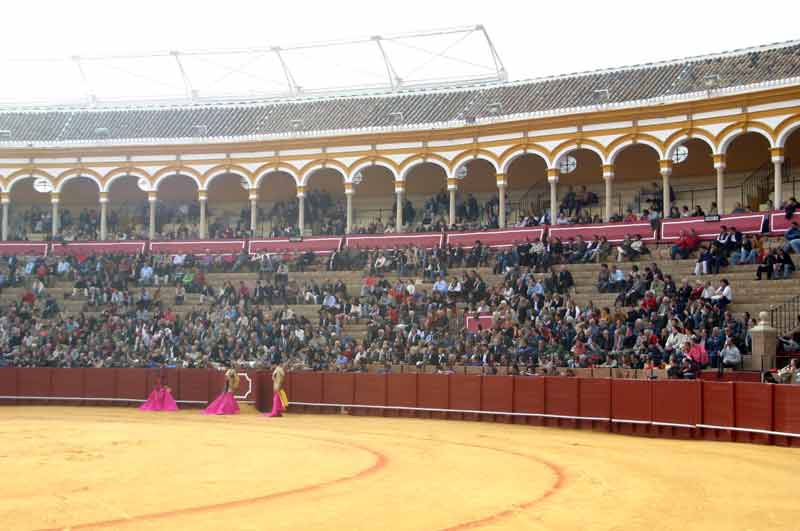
558	472
560	481
380	462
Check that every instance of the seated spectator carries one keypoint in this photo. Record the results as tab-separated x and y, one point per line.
784	265
746	253
792	238
723	295
686	244
730	356
767	265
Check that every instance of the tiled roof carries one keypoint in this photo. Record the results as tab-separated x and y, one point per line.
263	119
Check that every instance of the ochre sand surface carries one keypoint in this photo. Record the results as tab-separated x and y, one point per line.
117	468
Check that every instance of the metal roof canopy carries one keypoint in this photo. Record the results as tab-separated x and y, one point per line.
433	58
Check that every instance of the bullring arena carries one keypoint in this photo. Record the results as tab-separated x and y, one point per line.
415	258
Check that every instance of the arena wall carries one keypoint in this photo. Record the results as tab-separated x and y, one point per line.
190	387
697	409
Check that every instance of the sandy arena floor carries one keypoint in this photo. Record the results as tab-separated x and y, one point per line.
114	468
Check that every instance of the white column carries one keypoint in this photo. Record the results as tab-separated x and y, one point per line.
301	209
103	216
253	211
452	186
348	195
719	164
56	215
608	177
665	166
203	225
552	178
777	160
5	199
500	178
151	199
399	187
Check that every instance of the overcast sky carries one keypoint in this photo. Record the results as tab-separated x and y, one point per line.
532	38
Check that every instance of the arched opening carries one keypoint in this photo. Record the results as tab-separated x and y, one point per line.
325	211
791	165
477	195
79	209
178	208
693	177
748	172
127	208
277	205
581	186
228	197
425	203
637	180
30	215
528	191
374	203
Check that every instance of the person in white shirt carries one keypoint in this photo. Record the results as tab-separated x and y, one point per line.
724	295
146	274
63	267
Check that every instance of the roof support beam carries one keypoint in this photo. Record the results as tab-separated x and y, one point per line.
293	88
87	87
498	63
187	83
394	79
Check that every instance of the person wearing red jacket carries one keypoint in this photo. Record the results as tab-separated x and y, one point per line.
687	242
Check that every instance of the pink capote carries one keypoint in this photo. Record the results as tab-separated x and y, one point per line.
224	404
160	399
277	406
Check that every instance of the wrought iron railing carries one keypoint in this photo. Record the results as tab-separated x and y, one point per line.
757	186
784	317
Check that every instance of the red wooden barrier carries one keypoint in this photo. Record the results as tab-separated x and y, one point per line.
198	247
307	387
497	394
465	393
33	382
561	398
21	248
753	404
675	402
594	400
8	384
786	414
718	410
708	230
87	248
99	383
338	388
499	238
282	245
631	400
529	397
778	224
427	240
193	384
614	232
401	391
68	383
132	383
433	392
370	391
